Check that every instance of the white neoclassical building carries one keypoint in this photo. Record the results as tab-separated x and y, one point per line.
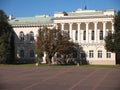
88	28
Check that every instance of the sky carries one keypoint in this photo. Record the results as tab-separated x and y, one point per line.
29	8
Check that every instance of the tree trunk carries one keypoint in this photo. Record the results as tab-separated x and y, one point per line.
118	58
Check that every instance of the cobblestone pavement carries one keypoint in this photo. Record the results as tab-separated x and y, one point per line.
59	78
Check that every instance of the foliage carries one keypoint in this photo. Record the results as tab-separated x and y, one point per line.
109	42
52	41
6	46
117	32
112	41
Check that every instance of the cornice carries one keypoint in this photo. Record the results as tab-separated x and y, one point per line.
84	17
31	25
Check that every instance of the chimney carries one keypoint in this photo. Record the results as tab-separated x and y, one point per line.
10	17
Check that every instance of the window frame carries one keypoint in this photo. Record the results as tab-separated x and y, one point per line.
21	36
91	53
101	35
32	53
84	35
99	53
22	53
92	35
108	54
31	36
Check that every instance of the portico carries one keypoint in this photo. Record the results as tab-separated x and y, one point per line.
95	32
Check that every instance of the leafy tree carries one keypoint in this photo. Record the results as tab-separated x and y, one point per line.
112	41
109	42
52	41
6	40
117	32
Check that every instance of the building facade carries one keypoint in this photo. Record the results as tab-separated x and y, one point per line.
88	28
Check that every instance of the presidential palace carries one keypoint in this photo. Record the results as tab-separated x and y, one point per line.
88	28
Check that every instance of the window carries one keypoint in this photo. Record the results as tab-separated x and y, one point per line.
84	35
31	36
83	55
101	35
74	54
21	53
21	36
109	32
32	53
92	35
76	35
108	54
91	53
99	53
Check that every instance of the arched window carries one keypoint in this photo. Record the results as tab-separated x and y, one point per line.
21	53
21	36
31	36
32	53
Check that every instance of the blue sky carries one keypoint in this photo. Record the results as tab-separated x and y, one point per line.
27	8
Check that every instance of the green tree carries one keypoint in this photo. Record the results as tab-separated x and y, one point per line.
52	41
117	32
112	41
6	40
109	42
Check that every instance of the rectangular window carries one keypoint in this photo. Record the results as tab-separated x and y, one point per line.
83	55
84	35
92	35
76	35
101	35
32	53
108	54
99	53
21	53
91	53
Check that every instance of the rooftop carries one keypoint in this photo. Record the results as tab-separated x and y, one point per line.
39	19
83	13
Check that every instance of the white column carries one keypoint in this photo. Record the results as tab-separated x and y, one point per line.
44	58
62	26
78	32
55	26
98	36
70	29
95	32
104	29
87	31
112	27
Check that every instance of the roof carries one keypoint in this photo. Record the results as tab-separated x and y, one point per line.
40	19
85	13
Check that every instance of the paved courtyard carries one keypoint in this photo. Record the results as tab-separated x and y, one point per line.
59	78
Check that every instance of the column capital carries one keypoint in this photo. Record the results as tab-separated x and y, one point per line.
71	23
78	22
62	23
104	22
87	22
95	22
112	22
